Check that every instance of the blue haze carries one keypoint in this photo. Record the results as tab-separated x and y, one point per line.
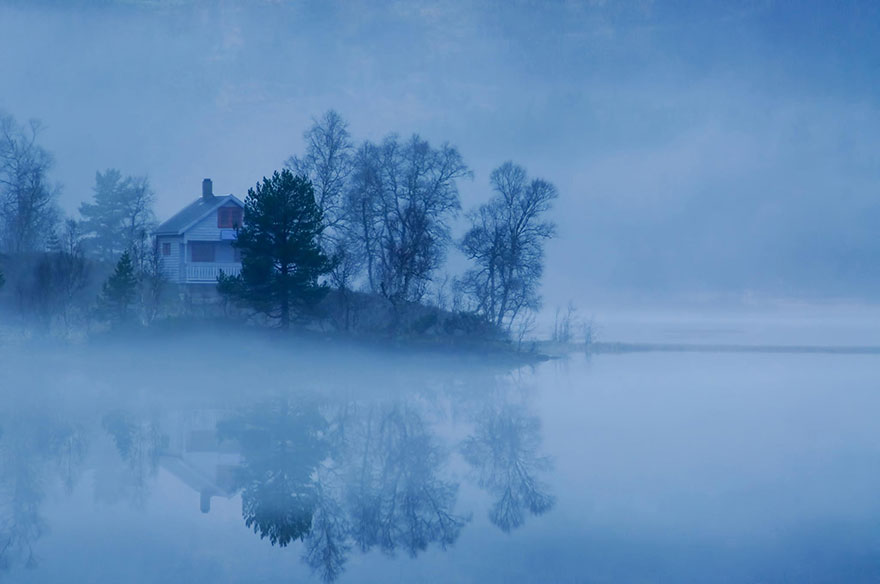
701	149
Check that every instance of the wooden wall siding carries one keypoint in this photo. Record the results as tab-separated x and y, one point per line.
206	229
179	267
171	263
225	253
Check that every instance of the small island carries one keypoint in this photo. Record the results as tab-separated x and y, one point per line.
349	240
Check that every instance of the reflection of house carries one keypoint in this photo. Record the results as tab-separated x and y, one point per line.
199	459
196	244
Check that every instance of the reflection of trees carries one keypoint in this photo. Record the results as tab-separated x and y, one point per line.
366	478
68	447
505	452
359	476
138	443
395	495
21	494
282	446
31	444
327	544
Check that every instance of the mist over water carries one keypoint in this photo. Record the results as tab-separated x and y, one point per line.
687	391
682	467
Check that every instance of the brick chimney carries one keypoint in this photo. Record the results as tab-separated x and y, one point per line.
207	189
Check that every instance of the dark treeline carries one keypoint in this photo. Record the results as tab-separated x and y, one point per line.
351	236
66	275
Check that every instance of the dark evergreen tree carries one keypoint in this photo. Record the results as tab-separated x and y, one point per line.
281	257
2	279
119	291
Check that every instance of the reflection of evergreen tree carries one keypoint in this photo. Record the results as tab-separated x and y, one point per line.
281	446
118	292
504	450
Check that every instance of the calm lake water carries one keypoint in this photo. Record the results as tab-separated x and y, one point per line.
188	463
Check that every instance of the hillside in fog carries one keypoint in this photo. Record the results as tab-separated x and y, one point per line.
702	151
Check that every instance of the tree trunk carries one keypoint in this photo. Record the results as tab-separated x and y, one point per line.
285	298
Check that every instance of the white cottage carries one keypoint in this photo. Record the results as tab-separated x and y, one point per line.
196	244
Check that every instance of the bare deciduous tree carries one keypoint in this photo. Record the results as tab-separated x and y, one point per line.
364	209
28	210
327	162
564	323
524	326
152	282
506	242
399	205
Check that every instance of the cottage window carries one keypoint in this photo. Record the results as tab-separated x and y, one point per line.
202	251
166	249
229	217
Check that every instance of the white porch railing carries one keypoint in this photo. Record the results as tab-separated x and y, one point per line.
208	273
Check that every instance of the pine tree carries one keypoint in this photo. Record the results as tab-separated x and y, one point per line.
119	217
2	279
119	291
281	257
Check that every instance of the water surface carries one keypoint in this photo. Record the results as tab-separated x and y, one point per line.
177	462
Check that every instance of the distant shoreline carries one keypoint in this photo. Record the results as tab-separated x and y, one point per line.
622	347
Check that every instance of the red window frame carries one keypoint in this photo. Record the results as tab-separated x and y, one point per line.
166	249
229	217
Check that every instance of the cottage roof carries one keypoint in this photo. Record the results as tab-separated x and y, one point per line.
193	213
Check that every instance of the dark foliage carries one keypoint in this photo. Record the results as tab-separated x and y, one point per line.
281	257
119	291
58	279
281	445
